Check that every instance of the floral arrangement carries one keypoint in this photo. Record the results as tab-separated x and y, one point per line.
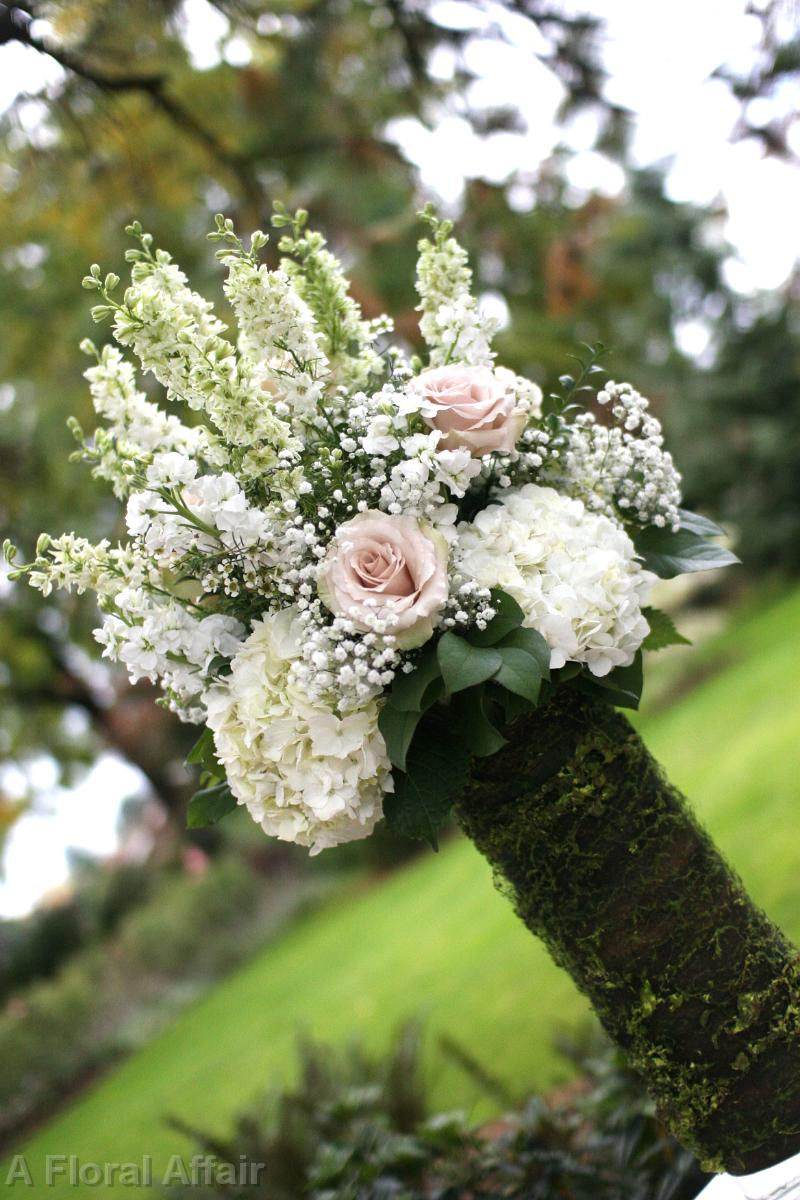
352	566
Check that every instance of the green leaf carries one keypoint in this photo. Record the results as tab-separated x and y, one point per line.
520	673
464	665
670	554
437	771
202	752
397	728
208	806
695	523
622	687
473	725
508	616
413	693
513	705
662	631
565	673
532	642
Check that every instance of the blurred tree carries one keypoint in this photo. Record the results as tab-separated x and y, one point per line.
742	435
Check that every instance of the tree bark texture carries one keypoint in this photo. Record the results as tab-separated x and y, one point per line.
604	861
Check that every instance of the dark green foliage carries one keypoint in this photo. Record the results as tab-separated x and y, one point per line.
464	665
663	631
358	1128
476	677
671	553
436	773
622	687
507	616
210	805
214	800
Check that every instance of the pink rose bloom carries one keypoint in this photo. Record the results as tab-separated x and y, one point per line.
473	407
379	565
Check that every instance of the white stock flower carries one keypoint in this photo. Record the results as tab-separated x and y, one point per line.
274	320
451	323
304	773
574	574
171	470
158	639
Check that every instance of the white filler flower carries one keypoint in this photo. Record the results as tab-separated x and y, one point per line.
574	573
305	774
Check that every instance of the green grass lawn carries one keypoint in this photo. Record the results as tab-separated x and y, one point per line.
437	940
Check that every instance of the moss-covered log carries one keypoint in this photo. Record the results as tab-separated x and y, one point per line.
604	861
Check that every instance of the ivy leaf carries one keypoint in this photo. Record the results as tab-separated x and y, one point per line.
695	523
398	729
436	774
508	616
669	554
532	642
202	752
474	727
662	631
622	687
209	805
513	705
464	665
520	673
413	692
565	673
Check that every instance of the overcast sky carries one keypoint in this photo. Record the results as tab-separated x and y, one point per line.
659	56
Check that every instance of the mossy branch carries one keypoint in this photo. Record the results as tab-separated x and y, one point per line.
603	859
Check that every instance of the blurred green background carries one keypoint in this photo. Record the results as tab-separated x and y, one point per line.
146	970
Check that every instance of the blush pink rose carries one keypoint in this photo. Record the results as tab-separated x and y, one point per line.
381	565
473	407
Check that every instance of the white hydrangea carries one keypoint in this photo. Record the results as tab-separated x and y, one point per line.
304	773
574	573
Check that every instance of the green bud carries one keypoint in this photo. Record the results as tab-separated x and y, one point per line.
9	551
111	281
42	544
101	311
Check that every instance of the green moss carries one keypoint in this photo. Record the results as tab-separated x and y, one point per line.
604	861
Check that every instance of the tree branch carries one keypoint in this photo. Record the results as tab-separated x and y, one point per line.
16	26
